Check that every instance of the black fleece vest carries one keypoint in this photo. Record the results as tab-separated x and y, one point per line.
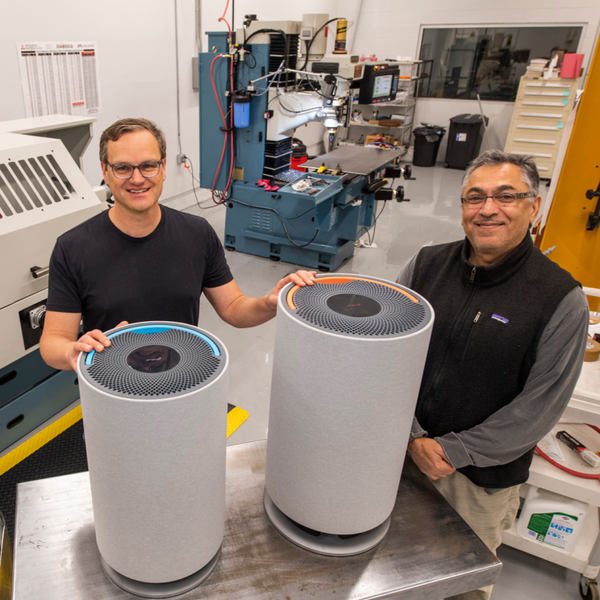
488	323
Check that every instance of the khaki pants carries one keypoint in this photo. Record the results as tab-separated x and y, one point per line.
488	515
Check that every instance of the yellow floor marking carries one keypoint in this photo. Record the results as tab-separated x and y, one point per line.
39	439
235	418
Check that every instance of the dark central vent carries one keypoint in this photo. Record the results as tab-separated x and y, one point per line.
143	365
357	307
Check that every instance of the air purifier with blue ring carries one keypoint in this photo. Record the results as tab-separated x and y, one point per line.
155	417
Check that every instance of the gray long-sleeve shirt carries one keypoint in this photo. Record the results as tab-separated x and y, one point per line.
515	428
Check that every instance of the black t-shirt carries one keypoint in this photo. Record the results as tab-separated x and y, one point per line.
109	277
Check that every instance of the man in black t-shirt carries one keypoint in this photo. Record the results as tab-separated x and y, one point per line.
140	261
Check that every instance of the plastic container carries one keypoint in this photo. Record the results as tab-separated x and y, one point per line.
571	65
427	144
241	110
551	519
299	154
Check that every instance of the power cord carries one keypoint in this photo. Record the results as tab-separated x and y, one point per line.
370	239
194	179
281	219
313	39
566	469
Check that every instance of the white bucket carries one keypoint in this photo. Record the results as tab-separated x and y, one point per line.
551	519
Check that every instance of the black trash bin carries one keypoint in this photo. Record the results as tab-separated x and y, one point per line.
427	144
464	140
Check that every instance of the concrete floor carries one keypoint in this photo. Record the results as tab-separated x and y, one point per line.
431	217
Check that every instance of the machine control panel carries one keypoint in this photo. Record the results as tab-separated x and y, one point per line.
379	84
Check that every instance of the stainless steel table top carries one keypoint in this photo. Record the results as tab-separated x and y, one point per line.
428	553
359	160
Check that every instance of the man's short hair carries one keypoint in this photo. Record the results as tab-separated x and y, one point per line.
123	126
525	162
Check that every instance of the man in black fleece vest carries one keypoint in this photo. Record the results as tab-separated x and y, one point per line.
506	348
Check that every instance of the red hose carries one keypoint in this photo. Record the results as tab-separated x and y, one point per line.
223	18
566	469
226	129
231	130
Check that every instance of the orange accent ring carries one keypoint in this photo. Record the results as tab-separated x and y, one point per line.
335	279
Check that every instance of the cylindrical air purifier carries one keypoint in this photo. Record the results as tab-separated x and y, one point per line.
348	361
155	417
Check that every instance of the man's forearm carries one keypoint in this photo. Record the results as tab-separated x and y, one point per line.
429	456
241	311
416	431
56	350
249	312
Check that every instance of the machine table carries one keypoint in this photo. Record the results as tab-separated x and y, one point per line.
428	553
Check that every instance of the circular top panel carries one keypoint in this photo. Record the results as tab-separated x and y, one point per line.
358	306
154	360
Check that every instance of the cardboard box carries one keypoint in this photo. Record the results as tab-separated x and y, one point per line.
373	138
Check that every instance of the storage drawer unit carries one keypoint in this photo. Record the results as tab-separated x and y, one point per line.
539	116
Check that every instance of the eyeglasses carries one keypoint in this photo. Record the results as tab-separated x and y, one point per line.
503	199
149	168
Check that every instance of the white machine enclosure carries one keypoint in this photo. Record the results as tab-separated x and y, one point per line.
43	193
339	423
157	471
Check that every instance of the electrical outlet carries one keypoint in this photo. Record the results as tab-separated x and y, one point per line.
181	158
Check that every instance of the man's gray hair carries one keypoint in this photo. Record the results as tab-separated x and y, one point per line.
525	162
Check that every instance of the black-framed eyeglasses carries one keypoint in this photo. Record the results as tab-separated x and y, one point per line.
150	168
503	199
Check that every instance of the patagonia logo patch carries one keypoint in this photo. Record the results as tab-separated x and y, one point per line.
499	318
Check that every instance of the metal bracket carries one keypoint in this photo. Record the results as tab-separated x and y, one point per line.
594	218
37	316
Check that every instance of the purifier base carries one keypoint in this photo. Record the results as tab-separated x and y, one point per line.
323	543
161	590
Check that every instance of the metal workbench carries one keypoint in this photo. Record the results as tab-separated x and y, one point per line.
428	553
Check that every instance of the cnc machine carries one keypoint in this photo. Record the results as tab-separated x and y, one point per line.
254	93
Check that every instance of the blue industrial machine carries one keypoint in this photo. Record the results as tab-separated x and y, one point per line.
252	98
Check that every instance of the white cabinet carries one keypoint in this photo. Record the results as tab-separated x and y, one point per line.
539	116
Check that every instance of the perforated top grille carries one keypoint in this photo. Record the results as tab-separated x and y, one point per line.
323	305
196	368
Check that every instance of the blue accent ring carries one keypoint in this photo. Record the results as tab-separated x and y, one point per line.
156	329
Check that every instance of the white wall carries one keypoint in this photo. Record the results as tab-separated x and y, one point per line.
137	53
273	10
389	29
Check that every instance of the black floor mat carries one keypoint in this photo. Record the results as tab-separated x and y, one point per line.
63	455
